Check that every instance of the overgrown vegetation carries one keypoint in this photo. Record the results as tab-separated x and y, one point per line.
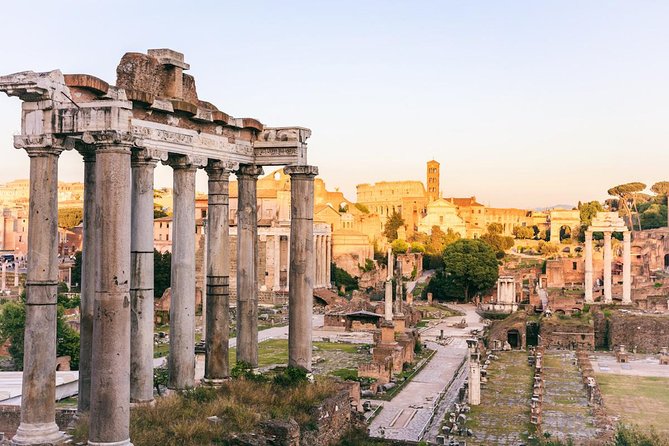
241	405
342	278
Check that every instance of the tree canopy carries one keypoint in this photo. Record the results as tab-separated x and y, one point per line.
523	232
12	326
393	223
471	265
589	210
162	272
399	246
627	198
70	217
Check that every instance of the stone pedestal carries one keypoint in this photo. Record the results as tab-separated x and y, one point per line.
181	360
38	407
141	279
301	279
217	318
588	267
627	268
608	258
110	366
247	262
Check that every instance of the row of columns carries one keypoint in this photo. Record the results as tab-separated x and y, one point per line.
608	260
116	363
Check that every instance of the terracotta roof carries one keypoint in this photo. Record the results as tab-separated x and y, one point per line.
468	201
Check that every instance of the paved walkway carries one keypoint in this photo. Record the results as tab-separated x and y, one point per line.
408	415
263	335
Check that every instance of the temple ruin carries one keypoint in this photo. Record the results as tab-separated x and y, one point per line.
153	114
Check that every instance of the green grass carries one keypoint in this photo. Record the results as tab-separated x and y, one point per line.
639	400
275	351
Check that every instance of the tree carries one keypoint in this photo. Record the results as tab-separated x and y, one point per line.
472	266
499	243
162	272
523	232
495	228
393	223
70	217
417	247
627	198
343	278
399	246
662	188
76	271
547	248
12	326
589	210
362	208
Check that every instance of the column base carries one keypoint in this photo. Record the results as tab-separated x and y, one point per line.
214	382
42	434
112	443
151	403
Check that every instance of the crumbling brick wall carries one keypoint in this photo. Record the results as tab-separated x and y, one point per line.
648	333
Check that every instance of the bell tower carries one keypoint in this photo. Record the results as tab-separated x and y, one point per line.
432	180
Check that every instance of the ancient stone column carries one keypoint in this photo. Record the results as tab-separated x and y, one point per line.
317	261
277	263
247	264
16	273
141	278
87	287
38	397
627	267
110	356
217	317
588	267
608	258
181	360
388	313
300	289
328	267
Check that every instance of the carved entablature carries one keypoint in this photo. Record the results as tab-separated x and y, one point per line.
32	87
284	134
156	104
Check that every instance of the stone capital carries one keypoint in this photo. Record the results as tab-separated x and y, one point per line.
143	156
216	167
40	145
301	171
109	140
249	170
185	161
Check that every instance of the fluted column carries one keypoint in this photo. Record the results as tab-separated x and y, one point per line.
319	261
588	267
87	286
608	258
38	397
110	355
247	265
277	262
627	267
217	317
181	360
141	280
388	313
329	262
301	280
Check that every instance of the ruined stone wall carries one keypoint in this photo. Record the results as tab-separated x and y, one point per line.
647	333
334	418
569	334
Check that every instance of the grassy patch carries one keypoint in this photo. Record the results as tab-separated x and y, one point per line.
181	419
643	401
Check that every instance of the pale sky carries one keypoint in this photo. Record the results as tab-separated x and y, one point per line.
524	103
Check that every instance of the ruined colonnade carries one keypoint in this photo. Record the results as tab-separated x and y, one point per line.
607	223
122	133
